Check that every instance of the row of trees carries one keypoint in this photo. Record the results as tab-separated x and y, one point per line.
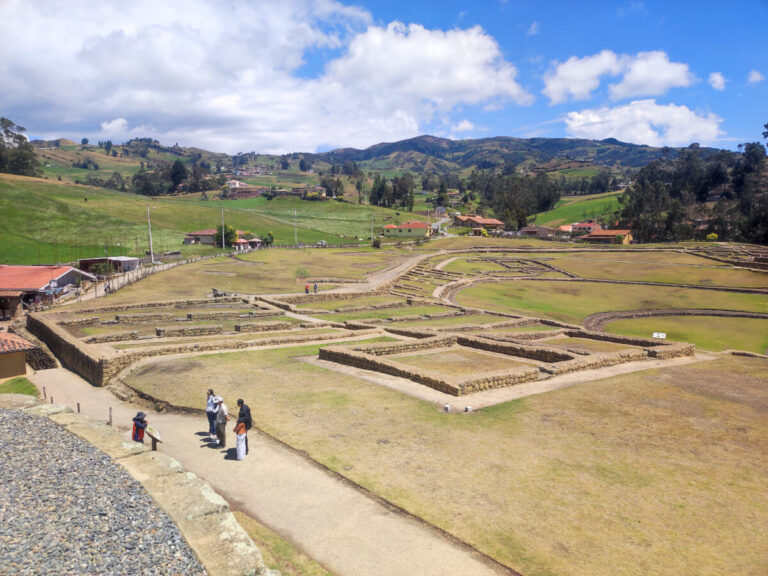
723	193
397	193
512	197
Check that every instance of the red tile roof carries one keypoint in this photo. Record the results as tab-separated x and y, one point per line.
10	293
12	343
481	220
414	224
29	278
390	226
607	233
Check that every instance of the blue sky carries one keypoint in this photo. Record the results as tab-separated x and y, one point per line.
307	75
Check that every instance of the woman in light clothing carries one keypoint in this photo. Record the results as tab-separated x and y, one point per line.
222	417
240	430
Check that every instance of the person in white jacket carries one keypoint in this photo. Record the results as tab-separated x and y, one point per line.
210	412
222	417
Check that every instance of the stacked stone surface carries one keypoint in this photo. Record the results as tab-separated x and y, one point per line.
68	508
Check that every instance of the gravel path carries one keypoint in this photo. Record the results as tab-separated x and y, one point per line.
67	508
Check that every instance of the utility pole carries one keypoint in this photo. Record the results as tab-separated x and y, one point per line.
149	227
371	225
222	229
295	230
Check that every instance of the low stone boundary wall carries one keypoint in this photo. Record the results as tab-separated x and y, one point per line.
68	349
146	318
594	361
40	358
233	314
262	326
79	322
492	326
165	331
513	349
322	324
595	322
675	350
410	332
163	304
114	337
374	358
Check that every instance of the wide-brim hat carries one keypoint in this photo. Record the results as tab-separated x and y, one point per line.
218	399
141	415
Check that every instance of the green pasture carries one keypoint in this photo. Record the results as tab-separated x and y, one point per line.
646	460
473	265
18	385
660	267
707	332
574	301
575	208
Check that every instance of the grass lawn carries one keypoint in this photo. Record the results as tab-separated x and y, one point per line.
468	266
18	385
669	268
575	208
453	321
661	471
574	301
707	332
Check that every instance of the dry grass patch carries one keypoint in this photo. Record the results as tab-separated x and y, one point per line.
662	471
583	345
458	361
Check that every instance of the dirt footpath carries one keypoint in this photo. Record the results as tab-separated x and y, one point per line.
338	525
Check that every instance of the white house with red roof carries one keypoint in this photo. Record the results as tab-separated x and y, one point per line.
410	229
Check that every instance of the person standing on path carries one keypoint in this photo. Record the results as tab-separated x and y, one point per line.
306	288
222	417
315	288
139	426
244	417
210	411
241	442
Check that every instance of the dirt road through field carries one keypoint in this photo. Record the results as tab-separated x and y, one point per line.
335	523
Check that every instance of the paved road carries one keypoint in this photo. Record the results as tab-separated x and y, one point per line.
343	529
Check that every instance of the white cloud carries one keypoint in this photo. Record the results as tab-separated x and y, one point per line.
578	77
717	81
645	74
650	74
533	29
464	126
644	122
233	78
754	76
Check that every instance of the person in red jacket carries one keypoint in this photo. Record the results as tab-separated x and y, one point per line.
139	426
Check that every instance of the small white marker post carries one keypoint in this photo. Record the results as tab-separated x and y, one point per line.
660	335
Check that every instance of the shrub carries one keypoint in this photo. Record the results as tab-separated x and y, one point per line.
712	237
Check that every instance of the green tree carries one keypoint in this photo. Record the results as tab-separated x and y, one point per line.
178	175
229	235
84	141
17	156
442	195
304	166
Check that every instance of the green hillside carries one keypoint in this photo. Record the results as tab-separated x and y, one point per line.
574	208
45	221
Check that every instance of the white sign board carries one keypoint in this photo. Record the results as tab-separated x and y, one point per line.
660	335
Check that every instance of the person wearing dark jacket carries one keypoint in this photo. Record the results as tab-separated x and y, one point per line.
244	416
139	426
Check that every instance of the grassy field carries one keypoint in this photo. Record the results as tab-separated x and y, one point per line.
260	272
46	221
464	266
660	471
587	345
19	385
707	332
665	267
349	303
575	208
574	301
458	361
